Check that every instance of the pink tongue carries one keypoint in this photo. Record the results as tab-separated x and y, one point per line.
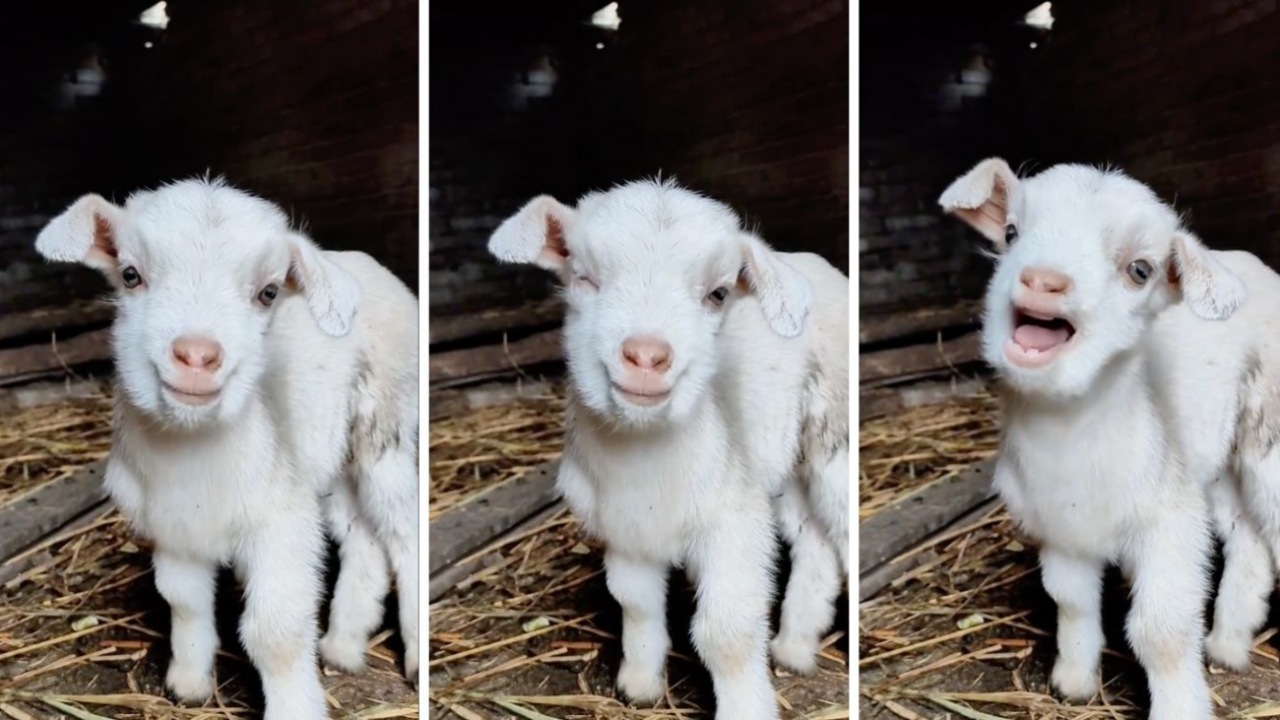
1035	337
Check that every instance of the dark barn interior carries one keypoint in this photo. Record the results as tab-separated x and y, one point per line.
312	105
1182	96
745	101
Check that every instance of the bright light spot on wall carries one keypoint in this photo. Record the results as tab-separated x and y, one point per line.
1035	45
599	46
148	44
155	16
607	17
1041	16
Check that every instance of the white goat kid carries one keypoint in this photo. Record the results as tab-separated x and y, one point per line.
249	387
688	351
1112	427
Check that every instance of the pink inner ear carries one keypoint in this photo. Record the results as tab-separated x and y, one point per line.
989	218
554	250
104	242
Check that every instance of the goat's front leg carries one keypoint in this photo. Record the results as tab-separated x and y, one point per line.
1169	568
1075	585
1247	578
640	587
189	587
733	568
281	570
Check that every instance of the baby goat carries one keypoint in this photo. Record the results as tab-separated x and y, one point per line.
1123	347
701	362
261	383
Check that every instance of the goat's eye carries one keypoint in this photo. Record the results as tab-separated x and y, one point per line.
584	280
1010	234
131	277
718	296
1140	271
268	294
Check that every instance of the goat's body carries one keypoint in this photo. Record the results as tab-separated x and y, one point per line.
334	418
1175	439
698	494
704	387
1101	480
1221	382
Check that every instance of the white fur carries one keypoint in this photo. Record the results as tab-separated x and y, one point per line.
316	412
688	481
1120	448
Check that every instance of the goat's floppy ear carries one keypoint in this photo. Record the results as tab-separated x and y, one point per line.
535	234
1212	291
84	233
785	295
332	294
981	198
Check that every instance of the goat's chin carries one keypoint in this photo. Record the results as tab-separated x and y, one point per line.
1062	378
616	409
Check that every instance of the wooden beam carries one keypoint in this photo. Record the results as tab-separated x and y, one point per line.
456	401
451	576
493	359
33	515
49	319
883	364
877	402
906	522
463	530
871	582
451	328
93	346
879	328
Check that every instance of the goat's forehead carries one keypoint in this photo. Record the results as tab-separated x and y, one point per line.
197	204
202	222
1092	199
1074	187
658	226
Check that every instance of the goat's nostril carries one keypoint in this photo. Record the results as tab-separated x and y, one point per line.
647	353
197	353
1045	281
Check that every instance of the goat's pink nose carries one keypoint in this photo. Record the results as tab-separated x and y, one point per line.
197	353
1042	280
647	353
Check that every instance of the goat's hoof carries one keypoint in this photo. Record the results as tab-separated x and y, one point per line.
1229	650
794	653
411	666
1075	681
640	685
345	654
188	684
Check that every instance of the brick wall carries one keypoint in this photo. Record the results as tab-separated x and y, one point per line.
938	93
1183	96
61	134
505	126
313	105
747	101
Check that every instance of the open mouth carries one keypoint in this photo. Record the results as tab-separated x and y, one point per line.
646	398
191	397
1037	337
